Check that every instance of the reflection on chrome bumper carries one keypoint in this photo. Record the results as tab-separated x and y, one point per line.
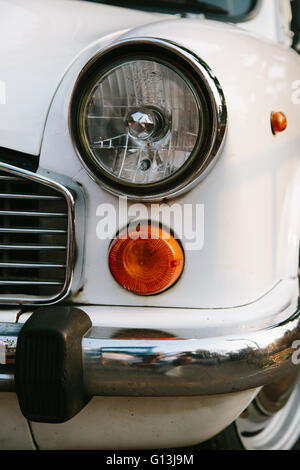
141	362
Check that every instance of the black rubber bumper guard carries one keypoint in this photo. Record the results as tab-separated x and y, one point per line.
49	370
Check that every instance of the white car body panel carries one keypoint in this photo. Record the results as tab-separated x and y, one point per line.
272	22
237	264
144	423
31	55
15	431
39	41
246	273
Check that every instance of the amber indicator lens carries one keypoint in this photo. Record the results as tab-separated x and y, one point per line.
278	121
146	259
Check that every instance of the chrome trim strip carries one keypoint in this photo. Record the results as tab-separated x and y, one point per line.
219	109
9	178
32	247
31	283
74	197
29	196
126	362
31	230
31	265
34	214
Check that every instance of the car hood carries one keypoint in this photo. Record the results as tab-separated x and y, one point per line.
39	40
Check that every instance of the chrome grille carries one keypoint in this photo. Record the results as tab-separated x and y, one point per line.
35	243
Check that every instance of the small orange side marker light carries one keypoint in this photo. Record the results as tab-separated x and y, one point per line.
278	122
146	259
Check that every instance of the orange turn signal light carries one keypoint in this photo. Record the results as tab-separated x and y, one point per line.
278	122
146	259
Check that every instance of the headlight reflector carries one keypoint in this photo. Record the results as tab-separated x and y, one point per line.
141	122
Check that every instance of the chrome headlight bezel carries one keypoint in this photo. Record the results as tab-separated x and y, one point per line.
209	95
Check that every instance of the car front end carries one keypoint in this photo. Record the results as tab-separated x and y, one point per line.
149	228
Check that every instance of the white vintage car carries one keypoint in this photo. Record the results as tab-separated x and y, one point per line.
149	224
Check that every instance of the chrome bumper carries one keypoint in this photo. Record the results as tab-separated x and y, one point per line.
141	362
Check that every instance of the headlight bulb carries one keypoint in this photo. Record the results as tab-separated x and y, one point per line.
146	123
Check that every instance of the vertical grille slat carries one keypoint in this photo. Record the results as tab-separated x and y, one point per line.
34	239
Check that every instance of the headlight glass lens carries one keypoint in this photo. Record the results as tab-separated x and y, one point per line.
141	121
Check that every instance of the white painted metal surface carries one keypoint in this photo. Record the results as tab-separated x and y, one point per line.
273	308
272	22
14	430
244	196
39	39
144	423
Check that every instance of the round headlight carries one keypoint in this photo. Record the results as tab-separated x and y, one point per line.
145	120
